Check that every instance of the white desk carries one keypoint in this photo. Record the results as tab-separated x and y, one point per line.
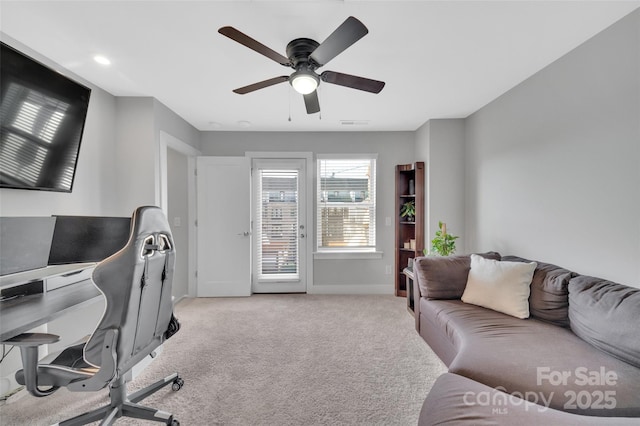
69	288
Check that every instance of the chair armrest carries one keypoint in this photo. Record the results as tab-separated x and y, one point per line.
28	344
32	339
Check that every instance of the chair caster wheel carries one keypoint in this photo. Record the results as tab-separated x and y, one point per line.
173	422
177	384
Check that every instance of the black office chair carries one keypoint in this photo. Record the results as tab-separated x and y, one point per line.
136	283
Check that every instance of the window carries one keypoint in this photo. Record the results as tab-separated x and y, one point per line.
346	200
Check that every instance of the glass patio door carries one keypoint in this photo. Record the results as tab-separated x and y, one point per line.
279	230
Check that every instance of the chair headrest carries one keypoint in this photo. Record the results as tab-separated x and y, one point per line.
149	220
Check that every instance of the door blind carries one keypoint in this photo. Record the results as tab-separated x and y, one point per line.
277	223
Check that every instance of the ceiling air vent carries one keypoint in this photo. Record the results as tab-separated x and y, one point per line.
354	122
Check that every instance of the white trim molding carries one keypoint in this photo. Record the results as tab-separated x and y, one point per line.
168	141
383	289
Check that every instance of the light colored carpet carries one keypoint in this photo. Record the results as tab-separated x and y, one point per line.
277	360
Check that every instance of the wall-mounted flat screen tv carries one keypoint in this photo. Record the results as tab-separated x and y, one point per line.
42	116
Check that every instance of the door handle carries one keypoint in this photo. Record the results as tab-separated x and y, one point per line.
301	235
244	234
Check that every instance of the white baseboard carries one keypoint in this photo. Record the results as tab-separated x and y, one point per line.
351	289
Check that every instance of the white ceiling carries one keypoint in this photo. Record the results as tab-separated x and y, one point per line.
439	59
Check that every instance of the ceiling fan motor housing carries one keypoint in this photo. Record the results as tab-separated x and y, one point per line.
304	80
298	52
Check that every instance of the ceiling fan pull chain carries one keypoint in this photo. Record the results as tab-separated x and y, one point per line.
289	104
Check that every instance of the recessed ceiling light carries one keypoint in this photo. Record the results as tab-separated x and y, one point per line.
244	123
102	60
215	125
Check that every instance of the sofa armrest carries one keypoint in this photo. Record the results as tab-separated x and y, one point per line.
417	295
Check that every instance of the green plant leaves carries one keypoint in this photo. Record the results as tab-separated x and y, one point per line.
408	209
443	244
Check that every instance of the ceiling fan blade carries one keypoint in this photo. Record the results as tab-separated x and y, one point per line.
261	85
312	103
344	36
255	45
352	81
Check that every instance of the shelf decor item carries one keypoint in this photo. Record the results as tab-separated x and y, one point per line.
443	244
408	210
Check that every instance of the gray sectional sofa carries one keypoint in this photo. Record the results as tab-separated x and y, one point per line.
575	358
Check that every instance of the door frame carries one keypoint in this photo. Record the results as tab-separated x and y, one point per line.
281	284
168	141
310	196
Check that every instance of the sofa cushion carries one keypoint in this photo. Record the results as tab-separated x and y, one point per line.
549	298
445	277
606	315
499	285
531	357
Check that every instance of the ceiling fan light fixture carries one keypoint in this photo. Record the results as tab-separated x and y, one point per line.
305	56
304	82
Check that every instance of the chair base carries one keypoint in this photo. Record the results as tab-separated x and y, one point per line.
127	406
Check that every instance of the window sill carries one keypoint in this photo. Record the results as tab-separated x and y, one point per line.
284	279
348	255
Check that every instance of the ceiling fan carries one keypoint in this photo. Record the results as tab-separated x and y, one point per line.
305	56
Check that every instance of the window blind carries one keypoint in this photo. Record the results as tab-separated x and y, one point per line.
346	203
277	218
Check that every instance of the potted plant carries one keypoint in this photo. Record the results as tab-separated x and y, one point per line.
408	210
443	244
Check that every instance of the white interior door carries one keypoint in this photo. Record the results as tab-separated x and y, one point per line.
279	226
224	226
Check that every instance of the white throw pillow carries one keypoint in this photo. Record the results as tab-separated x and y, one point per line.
500	285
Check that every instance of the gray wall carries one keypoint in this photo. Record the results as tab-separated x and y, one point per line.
94	189
137	162
440	143
551	168
169	122
139	123
553	165
94	193
392	148
118	165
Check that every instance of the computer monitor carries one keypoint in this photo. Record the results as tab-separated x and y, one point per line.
78	239
24	243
